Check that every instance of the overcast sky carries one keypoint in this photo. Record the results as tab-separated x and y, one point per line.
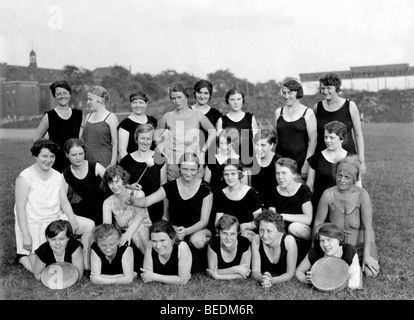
258	40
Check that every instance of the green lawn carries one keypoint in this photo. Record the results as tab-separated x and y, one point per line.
389	180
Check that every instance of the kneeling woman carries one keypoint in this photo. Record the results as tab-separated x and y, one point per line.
274	253
110	261
167	260
59	247
330	242
228	254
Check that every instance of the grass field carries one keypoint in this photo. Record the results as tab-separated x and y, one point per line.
389	180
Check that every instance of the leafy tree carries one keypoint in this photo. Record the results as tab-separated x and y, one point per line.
80	80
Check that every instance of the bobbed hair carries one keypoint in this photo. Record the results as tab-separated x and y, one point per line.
179	87
111	173
42	143
268	134
233	91
138	95
294	85
330	230
74	142
288	163
163	226
331	79
56	227
203	84
336	127
60	84
226	222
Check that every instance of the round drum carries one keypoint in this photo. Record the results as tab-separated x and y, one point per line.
59	275
329	274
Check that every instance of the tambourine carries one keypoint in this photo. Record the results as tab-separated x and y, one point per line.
330	274
59	275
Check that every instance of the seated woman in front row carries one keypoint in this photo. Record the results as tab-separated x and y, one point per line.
228	254
274	253
131	220
60	246
330	242
167	260
112	262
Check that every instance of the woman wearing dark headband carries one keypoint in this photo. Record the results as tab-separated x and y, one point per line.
127	127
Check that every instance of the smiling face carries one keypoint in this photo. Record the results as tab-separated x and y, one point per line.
58	243
328	92
144	140
109	245
344	180
76	156
202	96
289	96
138	107
263	148
116	185
329	246
161	243
94	101
228	237
188	170
45	159
284	176
62	96
236	102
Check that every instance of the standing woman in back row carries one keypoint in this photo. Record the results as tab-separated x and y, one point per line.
100	129
295	125
61	123
334	107
203	90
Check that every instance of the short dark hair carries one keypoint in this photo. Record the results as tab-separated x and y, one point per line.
111	173
60	84
138	95
329	230
74	142
42	143
226	221
288	163
336	127
56	227
294	85
269	134
163	226
203	84
331	79
269	215
178	87
233	91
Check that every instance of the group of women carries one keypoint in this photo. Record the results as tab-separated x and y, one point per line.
197	190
